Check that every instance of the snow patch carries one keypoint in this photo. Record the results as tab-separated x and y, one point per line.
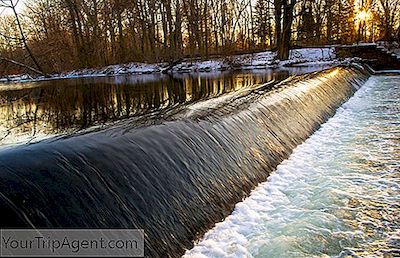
262	60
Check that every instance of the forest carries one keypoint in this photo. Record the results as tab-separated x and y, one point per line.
50	36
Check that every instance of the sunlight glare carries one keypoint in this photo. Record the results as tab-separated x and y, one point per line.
363	15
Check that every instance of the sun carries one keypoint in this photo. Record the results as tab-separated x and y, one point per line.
363	15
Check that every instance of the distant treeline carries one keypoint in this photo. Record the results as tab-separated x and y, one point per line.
57	35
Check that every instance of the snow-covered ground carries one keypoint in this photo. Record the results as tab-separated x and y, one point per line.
393	47
397	52
262	60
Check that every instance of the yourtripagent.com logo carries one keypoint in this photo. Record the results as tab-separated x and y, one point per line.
72	242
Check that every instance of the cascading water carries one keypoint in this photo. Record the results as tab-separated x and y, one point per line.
30	112
173	178
338	195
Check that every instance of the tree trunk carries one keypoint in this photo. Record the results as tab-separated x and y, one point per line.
206	31
278	22
178	29
284	47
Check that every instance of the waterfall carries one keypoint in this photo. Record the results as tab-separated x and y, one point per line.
175	177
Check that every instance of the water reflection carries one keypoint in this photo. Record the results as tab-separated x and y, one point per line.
174	180
33	110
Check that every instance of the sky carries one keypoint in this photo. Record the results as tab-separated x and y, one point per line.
6	11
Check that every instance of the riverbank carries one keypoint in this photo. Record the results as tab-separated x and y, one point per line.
262	60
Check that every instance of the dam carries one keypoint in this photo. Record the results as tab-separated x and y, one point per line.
336	196
176	165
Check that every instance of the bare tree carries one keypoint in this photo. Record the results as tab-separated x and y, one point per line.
72	34
11	4
390	10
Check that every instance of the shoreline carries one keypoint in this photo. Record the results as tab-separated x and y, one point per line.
256	61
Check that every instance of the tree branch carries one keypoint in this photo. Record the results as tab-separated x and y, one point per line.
21	65
10	37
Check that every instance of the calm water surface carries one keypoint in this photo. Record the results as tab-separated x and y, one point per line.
33	111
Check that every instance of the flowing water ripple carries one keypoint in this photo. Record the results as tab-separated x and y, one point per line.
176	176
338	195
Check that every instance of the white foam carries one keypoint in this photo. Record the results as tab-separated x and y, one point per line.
298	211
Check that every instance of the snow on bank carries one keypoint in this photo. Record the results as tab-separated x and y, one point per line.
397	52
261	60
258	60
123	69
